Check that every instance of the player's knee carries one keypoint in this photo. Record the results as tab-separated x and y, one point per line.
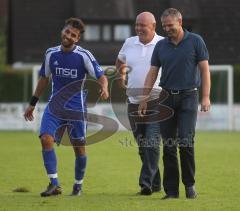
79	147
47	141
82	152
79	151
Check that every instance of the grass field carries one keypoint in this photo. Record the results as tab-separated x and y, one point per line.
111	180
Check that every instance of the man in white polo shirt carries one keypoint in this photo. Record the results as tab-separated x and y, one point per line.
133	63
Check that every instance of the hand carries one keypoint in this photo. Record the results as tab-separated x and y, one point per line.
142	108
205	104
28	115
104	94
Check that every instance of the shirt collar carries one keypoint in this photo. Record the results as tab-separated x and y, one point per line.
185	36
153	41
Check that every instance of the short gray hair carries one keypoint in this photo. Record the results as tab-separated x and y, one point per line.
171	12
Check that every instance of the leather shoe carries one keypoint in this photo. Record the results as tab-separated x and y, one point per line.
170	196
190	192
145	191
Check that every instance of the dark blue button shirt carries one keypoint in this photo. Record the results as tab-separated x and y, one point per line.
179	62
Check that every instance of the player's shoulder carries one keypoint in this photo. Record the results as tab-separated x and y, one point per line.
79	48
83	52
53	49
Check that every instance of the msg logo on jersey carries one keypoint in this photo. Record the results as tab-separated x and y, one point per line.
66	73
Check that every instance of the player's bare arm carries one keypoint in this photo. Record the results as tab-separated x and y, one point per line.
104	87
148	85
206	85
122	72
41	86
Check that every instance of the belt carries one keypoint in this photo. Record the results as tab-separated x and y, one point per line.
176	92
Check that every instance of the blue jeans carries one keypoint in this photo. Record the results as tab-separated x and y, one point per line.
147	136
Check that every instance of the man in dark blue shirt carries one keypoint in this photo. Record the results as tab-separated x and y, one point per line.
183	57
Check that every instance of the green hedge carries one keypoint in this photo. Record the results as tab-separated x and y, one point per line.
2	44
15	86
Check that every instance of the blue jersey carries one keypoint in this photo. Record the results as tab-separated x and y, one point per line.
69	67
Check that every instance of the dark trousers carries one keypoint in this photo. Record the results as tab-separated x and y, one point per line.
179	131
147	136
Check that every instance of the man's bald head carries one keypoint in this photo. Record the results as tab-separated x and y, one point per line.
145	27
147	16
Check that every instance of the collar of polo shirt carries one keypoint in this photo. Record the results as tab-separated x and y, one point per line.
186	34
153	42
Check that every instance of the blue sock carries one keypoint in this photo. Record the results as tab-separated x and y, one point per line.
80	166
50	163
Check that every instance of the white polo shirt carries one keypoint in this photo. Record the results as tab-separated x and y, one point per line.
137	57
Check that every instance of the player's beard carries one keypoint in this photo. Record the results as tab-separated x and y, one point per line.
70	45
67	44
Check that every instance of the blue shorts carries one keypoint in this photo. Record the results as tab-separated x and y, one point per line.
55	127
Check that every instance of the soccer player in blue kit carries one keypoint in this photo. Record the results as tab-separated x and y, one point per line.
68	65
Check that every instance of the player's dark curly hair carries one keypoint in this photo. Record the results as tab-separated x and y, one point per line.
75	23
